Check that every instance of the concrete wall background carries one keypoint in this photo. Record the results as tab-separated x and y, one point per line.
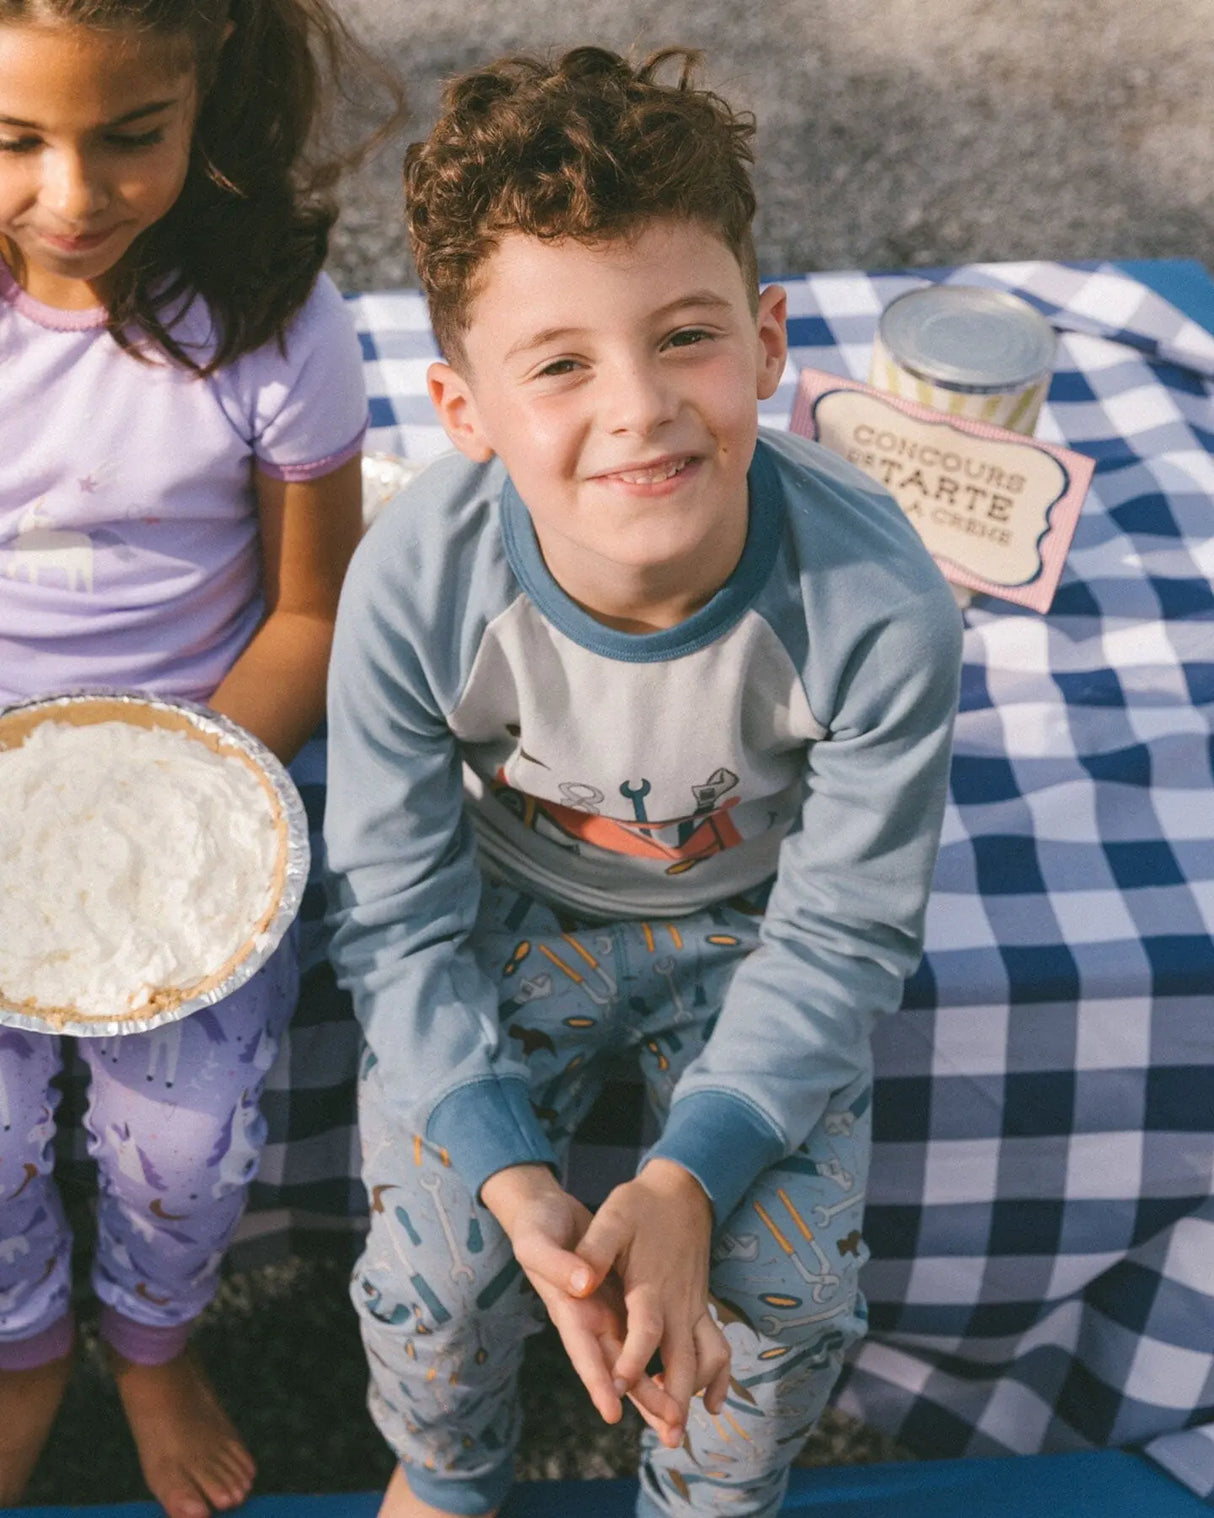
892	133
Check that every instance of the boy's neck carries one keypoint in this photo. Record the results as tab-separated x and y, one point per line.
645	613
650	599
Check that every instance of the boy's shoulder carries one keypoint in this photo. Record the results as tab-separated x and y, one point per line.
432	561
449	504
851	546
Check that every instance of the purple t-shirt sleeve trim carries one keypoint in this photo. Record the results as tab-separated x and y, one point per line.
319	467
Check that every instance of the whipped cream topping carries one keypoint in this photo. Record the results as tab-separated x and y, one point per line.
134	864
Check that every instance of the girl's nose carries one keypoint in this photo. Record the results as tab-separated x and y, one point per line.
71	188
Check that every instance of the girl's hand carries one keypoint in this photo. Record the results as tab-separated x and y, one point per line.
654	1233
544	1223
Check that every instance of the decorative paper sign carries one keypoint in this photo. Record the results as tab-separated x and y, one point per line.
997	510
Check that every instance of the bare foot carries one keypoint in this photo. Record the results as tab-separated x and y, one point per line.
400	1502
193	1460
29	1400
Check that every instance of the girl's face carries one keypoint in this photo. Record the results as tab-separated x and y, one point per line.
95	130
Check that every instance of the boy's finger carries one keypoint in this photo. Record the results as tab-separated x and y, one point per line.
658	1409
600	1245
679	1370
642	1337
587	1357
540	1256
713	1362
717	1390
648	1396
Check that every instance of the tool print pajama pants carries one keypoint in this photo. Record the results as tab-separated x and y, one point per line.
174	1125
445	1309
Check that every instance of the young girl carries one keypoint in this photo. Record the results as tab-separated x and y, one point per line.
180	432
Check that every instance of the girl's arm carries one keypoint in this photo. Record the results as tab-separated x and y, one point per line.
309	529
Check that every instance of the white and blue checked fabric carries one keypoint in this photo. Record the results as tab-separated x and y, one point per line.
1042	1210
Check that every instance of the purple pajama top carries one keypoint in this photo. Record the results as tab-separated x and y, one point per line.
129	549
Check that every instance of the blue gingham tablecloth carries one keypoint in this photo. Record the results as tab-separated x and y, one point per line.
1041	1213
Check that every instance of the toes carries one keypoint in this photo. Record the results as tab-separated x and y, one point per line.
184	1501
229	1477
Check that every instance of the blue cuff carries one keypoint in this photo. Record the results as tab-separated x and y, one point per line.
470	1495
723	1141
487	1125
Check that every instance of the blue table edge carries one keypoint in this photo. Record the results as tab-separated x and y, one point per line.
1184	282
1108	1483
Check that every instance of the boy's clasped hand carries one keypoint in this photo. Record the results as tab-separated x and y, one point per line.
623	1285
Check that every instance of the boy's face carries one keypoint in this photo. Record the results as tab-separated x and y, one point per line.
619	382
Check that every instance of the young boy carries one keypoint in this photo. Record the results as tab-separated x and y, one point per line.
639	740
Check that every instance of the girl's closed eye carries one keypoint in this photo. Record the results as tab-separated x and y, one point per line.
132	144
19	144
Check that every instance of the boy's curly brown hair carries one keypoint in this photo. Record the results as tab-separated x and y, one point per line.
586	146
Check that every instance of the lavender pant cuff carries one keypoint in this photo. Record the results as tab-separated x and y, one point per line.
51	1344
142	1343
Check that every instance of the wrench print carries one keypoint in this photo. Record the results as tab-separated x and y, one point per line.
745	1246
770	1324
534	988
832	1170
420	1285
666	968
817	1281
828	1276
636	794
460	1269
823	1215
609	980
576	977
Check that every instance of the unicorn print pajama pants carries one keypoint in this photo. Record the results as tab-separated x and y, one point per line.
174	1125
444	1308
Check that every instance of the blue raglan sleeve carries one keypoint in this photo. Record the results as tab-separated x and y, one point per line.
404	882
844	923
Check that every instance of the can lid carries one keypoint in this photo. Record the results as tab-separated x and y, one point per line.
968	335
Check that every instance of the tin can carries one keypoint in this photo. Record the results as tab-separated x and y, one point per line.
967	351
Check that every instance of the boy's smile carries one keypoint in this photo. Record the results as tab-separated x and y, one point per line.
619	382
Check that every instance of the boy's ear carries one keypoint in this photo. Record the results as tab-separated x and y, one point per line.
452	398
772	322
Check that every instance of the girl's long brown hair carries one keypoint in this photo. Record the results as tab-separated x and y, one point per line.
250	231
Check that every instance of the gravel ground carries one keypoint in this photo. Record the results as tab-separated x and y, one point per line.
893	133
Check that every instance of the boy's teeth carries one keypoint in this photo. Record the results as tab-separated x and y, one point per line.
651	476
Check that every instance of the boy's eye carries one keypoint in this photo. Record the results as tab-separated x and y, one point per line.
688	337
557	367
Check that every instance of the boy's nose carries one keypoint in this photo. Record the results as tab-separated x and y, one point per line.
640	398
71	190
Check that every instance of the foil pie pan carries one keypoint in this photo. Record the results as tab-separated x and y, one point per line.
221	736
